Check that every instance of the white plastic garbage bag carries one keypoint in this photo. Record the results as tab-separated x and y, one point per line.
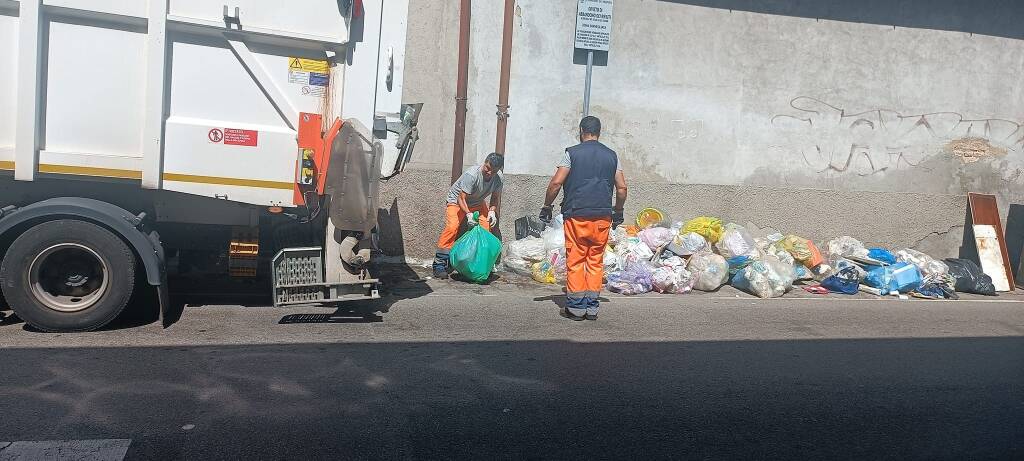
838	264
520	255
617	236
518	266
554	235
529	249
782	275
736	241
846	247
633	250
776	249
763	243
672	280
692	243
673	261
611	261
710	271
930	268
656	237
768	278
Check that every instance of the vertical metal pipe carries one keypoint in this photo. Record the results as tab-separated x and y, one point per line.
586	90
461	85
506	70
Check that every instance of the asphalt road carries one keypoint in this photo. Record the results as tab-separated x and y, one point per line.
445	370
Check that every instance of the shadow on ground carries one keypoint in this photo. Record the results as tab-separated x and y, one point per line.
955	398
398	282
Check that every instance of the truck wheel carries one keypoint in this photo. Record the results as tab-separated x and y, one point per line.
68	275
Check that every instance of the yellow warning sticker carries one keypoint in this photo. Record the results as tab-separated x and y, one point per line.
307	65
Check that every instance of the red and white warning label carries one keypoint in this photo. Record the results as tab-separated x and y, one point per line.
234	137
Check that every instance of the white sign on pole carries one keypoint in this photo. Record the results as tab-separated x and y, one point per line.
594	24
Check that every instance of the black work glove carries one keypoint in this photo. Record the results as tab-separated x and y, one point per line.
545	214
617	218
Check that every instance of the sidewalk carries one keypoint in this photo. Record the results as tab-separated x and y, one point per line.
507	282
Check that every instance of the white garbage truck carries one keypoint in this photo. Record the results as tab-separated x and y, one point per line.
240	137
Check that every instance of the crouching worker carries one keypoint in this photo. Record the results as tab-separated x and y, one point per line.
478	189
587	175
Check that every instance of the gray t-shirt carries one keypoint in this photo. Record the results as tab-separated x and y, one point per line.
566	162
472	183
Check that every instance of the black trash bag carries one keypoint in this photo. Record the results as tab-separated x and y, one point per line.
529	226
970	278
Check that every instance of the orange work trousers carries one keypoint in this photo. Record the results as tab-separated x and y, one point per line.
585	241
453	219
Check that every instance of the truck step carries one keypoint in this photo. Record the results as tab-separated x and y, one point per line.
299	279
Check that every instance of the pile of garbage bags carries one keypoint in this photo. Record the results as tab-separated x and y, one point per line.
542	258
703	254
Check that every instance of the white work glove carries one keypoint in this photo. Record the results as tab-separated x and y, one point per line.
470	221
492	219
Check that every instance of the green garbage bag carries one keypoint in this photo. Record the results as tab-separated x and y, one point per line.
475	253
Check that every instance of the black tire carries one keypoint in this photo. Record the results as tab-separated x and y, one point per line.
93	250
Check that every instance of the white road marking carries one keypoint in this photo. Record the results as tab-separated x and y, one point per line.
70	450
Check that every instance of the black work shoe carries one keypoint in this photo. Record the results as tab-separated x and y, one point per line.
569	315
441	274
591	317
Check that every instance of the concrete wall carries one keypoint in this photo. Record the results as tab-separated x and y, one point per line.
869	118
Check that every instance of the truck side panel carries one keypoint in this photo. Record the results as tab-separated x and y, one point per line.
8	86
94	95
224	137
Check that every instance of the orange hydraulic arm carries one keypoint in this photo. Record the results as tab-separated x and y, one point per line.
314	155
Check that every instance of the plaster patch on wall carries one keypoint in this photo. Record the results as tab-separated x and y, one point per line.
971	149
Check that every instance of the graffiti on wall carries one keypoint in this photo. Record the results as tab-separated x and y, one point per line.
832	140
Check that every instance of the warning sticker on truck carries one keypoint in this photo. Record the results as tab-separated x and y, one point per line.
311	75
307	65
233	137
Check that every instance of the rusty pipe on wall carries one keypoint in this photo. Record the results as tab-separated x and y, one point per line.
461	90
506	70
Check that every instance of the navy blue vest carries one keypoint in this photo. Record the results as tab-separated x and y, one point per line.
587	192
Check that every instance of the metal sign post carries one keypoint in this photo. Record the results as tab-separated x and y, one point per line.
593	33
586	88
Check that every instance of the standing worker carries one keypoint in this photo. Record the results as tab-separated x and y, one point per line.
478	189
587	175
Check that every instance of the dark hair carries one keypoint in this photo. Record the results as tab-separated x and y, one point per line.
495	160
590	125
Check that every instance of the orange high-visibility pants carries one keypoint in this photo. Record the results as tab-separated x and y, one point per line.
585	241
453	219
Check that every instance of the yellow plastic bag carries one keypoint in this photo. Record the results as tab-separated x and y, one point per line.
543	272
803	250
707	227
